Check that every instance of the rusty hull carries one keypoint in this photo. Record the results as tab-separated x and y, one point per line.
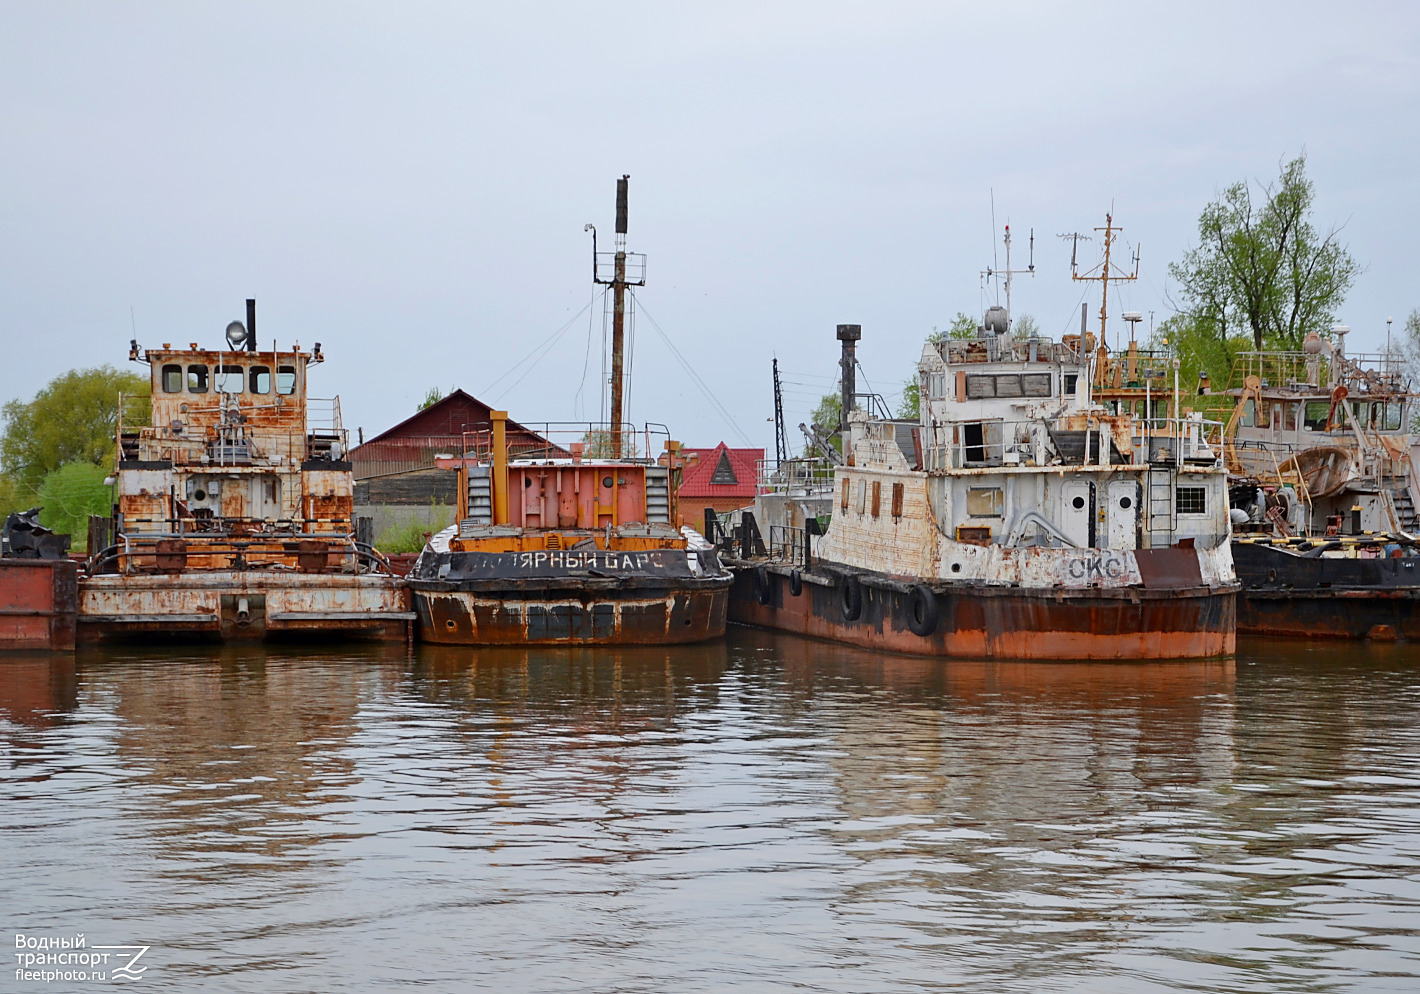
571	611
1385	615
38	603
243	605
1001	623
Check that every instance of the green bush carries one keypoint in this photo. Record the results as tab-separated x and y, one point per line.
69	495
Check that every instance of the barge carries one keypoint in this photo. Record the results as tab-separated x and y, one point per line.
233	509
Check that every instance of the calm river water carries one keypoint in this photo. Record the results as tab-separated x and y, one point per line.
767	814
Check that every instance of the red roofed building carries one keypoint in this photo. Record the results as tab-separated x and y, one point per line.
721	478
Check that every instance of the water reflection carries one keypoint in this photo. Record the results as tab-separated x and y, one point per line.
765	813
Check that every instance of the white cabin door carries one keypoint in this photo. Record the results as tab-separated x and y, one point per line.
1122	514
1075	512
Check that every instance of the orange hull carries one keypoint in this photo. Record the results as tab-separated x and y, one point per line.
1002	622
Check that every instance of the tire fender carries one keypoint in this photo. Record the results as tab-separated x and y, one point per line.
763	589
850	598
922	611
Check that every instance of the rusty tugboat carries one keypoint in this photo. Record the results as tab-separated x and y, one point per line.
575	542
233	507
1318	445
1014	519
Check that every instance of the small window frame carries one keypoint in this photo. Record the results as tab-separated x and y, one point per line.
254	374
1190	500
227	375
170	377
198	380
284	387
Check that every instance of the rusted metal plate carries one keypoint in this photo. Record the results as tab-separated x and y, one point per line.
170	555
38	603
1383	615
239	605
1166	569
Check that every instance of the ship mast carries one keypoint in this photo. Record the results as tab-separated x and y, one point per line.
619	282
1102	273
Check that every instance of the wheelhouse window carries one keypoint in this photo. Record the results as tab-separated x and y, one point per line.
286	380
259	379
172	378
1394	416
1192	500
1314	414
230	379
984	502
985	386
1071	381
197	378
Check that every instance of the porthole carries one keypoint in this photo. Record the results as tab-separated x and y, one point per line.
956	567
606	481
1078	503
1124	502
450	625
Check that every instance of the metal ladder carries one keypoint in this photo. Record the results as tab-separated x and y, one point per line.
480	495
658	494
1161	508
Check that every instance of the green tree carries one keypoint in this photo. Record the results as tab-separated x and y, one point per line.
1200	349
432	397
827	417
961	326
69	495
1261	268
72	419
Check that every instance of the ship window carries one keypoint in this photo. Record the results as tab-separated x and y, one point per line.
229	379
877	497
1394	416
1314	414
938	386
980	387
172	379
1008	386
1071	380
196	379
1036	384
286	379
862	494
259	378
984	502
897	500
1249	414
846	484
1192	500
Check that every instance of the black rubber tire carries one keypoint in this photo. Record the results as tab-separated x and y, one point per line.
922	611
850	598
763	590
796	583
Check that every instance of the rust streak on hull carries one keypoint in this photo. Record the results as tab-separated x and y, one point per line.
1005	623
570	613
243	606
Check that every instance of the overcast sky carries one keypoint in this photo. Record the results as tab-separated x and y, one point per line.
407	183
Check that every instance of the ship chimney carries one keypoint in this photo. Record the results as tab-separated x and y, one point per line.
251	324
621	205
849	334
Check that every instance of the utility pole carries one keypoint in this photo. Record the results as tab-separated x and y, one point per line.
618	282
781	439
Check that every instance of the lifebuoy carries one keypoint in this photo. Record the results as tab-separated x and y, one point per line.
796	583
850	598
763	592
922	613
